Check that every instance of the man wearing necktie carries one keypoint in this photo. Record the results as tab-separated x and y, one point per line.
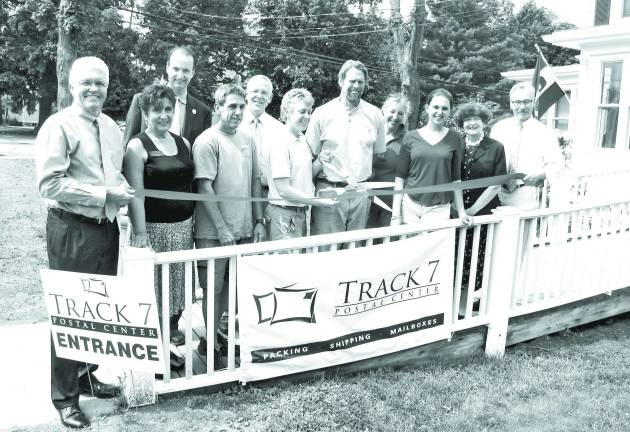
530	148
79	160
260	125
191	116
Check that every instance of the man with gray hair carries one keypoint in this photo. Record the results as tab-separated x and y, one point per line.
344	134
260	125
530	148
79	160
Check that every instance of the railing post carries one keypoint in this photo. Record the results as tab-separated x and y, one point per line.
504	252
138	264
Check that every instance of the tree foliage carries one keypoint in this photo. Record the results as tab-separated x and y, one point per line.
294	42
296	47
28	47
530	24
169	23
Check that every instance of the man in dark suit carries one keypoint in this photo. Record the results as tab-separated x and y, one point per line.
191	116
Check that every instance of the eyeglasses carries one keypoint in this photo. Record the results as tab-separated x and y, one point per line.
521	102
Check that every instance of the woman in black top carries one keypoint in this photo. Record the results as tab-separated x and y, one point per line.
483	157
159	159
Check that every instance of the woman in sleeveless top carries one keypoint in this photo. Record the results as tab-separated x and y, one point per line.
159	159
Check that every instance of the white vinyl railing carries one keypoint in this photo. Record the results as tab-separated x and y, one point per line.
566	256
532	261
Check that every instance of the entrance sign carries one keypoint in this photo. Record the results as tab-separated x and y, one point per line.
300	312
103	320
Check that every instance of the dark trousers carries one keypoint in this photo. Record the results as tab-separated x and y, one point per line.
78	246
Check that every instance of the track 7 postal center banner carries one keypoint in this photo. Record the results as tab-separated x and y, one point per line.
300	312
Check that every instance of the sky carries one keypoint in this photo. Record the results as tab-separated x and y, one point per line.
578	12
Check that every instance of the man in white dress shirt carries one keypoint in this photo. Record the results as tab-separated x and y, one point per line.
260	125
530	148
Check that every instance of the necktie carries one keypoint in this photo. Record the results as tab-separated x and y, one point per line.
109	171
176	127
260	151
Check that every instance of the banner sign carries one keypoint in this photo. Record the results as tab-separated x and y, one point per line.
103	320
300	312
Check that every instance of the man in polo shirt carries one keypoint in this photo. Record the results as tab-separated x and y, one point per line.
530	148
191	116
79	158
345	132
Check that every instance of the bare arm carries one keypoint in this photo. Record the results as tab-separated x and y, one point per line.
133	167
259	229
459	205
399	184
290	193
226	237
483	200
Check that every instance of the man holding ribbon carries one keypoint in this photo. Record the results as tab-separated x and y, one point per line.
530	148
226	166
79	159
344	134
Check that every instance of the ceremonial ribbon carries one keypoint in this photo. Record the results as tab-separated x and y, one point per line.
350	191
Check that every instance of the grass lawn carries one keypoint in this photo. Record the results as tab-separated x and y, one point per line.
23	253
577	380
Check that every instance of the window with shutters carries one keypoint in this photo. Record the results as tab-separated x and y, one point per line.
602	12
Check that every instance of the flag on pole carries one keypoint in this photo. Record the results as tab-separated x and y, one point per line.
548	91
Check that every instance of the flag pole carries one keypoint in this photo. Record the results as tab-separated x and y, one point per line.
542	56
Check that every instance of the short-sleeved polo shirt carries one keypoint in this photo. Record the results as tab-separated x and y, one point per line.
352	135
290	158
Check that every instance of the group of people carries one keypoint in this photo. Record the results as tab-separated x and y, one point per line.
87	170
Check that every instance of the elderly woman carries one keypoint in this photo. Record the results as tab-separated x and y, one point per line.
483	157
429	156
395	110
290	172
159	159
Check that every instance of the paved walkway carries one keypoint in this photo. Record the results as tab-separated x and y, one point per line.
25	390
16	145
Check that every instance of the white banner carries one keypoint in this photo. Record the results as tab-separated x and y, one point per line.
106	320
300	312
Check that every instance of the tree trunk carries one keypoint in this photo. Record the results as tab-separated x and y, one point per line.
407	54
47	93
67	47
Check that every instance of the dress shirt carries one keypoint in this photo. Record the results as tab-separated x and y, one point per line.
265	130
352	135
179	115
532	150
71	173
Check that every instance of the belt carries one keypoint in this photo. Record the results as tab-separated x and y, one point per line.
332	183
64	214
292	208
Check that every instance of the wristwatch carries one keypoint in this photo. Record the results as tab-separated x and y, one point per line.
262	221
